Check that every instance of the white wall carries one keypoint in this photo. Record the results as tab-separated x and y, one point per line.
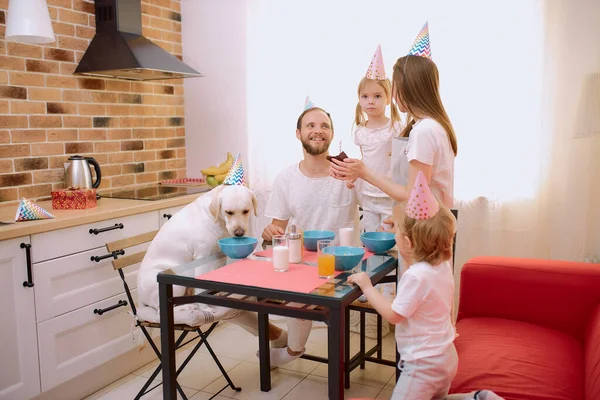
214	43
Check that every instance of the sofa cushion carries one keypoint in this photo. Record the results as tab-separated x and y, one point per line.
518	360
592	357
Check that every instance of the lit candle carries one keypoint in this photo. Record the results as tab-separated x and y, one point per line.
346	236
281	257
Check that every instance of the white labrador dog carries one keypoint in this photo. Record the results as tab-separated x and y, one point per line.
192	233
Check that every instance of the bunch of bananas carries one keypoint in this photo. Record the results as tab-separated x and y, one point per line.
216	175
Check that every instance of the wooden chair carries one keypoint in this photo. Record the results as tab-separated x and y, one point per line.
116	250
363	354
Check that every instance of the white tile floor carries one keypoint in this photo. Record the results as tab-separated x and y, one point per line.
236	349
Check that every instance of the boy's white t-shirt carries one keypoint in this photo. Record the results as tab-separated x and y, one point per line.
376	147
428	143
311	203
424	297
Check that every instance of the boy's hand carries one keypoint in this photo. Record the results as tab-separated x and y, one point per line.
361	279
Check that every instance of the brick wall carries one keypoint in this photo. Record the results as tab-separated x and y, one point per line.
133	129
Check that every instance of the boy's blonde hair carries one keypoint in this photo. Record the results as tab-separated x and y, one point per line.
359	114
431	238
416	84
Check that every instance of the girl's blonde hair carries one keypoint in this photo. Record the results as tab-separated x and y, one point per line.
359	115
431	238
416	85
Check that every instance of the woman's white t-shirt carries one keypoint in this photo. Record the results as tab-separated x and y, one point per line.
428	143
424	297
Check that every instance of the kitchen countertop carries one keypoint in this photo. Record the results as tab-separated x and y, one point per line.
107	208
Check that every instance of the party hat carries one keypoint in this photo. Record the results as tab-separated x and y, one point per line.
421	204
29	211
235	176
308	103
420	46
376	70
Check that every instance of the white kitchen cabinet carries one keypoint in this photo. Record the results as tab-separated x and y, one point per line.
19	368
50	333
166	213
81	340
62	242
67	283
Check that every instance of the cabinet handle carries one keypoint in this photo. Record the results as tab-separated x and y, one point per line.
29	281
110	228
114	254
100	311
167	216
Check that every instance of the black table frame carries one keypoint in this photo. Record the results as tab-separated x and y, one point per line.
331	310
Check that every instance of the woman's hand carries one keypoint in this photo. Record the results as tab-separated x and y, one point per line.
350	183
361	279
349	169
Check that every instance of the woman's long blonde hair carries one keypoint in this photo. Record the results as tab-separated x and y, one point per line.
416	86
359	115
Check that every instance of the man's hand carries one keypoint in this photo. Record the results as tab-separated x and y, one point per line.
389	222
361	279
272	230
350	169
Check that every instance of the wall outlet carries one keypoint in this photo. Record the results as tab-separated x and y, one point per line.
591	259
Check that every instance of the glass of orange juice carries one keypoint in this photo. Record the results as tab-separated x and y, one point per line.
325	262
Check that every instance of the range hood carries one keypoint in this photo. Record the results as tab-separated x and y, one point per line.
118	50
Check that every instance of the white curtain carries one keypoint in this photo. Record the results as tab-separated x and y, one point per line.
517	79
560	217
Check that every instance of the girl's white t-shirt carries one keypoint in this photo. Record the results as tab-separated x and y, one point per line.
428	143
424	297
376	147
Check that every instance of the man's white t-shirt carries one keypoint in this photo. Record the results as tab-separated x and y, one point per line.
428	143
424	297
311	203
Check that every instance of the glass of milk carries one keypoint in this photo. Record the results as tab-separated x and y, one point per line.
346	234
281	253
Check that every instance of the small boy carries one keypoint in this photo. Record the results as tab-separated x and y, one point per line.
422	308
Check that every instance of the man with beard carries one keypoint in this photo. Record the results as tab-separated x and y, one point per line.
304	194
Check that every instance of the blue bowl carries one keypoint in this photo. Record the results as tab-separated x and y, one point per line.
378	242
346	257
311	238
237	247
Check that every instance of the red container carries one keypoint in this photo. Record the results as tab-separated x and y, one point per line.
73	199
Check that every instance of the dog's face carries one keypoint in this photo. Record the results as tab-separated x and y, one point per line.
233	205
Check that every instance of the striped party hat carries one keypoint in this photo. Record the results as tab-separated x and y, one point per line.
235	176
376	70
308	103
420	46
422	203
29	211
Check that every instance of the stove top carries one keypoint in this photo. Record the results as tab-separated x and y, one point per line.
155	192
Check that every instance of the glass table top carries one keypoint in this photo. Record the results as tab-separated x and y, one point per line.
336	287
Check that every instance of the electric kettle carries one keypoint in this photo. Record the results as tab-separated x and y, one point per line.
78	174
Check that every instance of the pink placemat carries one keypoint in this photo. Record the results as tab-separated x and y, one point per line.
309	256
299	278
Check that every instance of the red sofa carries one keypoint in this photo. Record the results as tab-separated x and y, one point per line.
529	329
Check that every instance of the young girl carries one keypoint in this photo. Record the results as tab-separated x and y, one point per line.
431	146
422	308
374	137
